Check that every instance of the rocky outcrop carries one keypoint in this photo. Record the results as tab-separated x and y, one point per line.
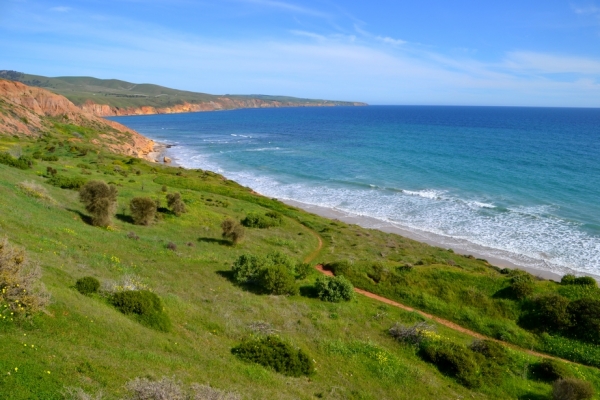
223	103
24	110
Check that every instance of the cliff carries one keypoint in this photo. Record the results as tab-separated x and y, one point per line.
32	111
112	97
222	103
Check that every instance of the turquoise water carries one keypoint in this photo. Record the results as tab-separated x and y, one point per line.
522	182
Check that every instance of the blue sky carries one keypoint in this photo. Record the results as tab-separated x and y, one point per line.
527	52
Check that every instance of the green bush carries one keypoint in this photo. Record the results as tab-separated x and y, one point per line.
585	319
547	313
334	289
268	220
22	162
87	285
549	371
491	350
66	182
100	200
522	285
143	210
145	305
272	352
303	270
572	389
453	360
277	279
573	280
246	268
49	158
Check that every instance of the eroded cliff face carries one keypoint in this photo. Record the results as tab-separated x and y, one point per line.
223	103
24	110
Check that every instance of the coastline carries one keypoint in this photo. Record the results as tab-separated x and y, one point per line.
458	246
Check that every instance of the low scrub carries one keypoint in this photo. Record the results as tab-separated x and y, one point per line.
334	289
176	204
66	182
413	334
262	221
22	162
145	306
582	281
21	292
454	360
171	389
549	371
522	285
87	285
491	350
572	389
36	191
272	274
272	352
278	280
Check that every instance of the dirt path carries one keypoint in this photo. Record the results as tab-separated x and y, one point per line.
316	252
442	321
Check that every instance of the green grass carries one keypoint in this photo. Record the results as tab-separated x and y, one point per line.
83	341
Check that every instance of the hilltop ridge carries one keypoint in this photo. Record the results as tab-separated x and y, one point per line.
113	97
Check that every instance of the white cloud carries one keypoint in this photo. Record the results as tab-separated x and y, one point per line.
61	9
551	64
391	41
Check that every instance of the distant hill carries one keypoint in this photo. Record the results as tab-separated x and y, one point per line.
112	97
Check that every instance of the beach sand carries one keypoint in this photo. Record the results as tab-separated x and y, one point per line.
458	246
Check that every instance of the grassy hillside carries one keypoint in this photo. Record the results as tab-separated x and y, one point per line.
121	94
83	341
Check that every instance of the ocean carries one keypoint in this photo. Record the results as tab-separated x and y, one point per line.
523	184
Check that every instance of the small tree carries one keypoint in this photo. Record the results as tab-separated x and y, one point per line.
585	319
334	289
100	200
277	279
233	231
143	210
175	203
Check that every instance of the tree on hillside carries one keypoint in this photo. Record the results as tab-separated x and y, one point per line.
175	203
100	200
233	231
143	210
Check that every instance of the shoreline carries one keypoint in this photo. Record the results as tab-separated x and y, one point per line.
458	246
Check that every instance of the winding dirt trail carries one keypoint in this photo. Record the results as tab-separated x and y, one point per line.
316	252
442	321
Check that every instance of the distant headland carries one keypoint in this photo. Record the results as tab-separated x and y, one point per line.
112	97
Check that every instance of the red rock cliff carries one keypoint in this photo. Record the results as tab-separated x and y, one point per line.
24	111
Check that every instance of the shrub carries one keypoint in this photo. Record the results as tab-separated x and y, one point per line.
232	231
143	210
164	188
548	313
175	203
334	289
572	389
100	200
77	393
584	315
37	155
272	352
87	285
21	291
246	268
453	360
277	279
22	162
491	350
49	158
171	246
133	235
66	182
303	270
145	305
522	285
205	392
549	371
414	334
573	280
268	220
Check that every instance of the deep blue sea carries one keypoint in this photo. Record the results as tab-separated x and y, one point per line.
522	182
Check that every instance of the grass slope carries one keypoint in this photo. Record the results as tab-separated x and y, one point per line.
121	94
84	342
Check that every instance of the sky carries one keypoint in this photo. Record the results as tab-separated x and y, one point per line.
426	52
